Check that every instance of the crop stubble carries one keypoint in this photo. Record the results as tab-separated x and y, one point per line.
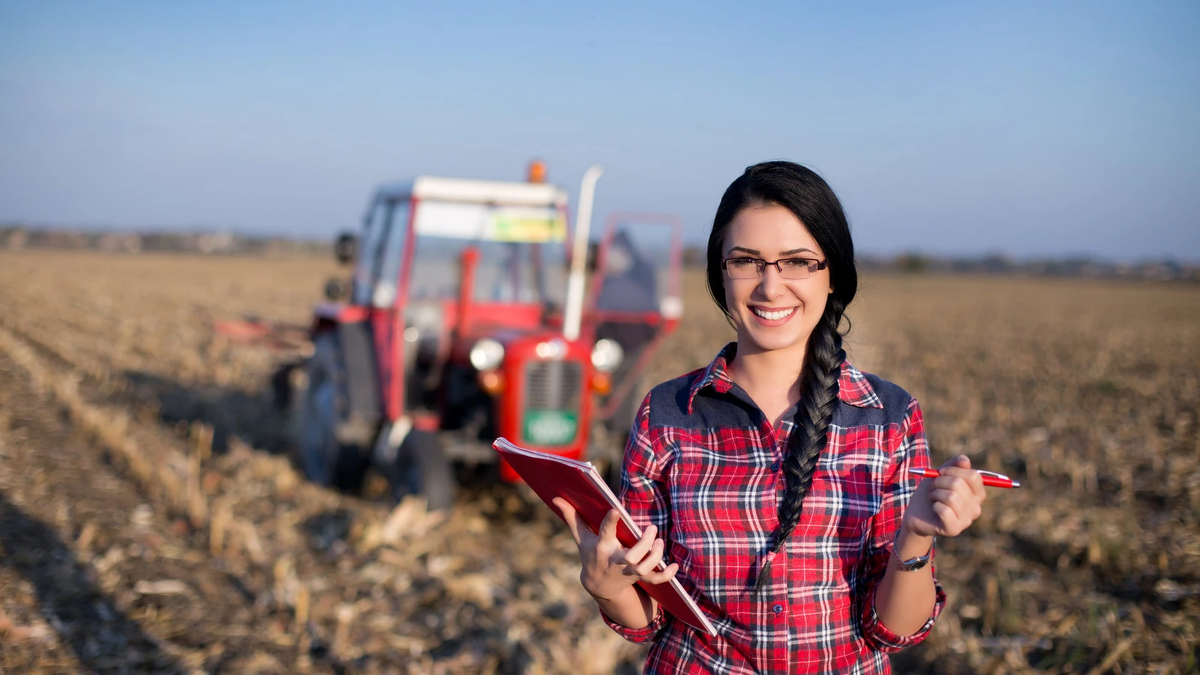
1087	392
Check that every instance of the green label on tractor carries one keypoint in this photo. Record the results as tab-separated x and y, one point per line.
508	226
550	427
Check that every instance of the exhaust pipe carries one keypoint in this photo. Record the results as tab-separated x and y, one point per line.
583	224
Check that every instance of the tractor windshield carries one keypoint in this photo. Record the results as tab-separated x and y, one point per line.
522	253
507	271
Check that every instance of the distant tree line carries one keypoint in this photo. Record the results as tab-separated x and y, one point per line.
1082	267
16	237
917	263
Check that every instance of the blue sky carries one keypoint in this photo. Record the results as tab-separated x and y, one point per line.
951	128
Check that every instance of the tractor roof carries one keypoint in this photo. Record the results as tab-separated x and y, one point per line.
432	188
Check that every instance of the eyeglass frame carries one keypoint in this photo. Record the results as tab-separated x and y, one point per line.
761	265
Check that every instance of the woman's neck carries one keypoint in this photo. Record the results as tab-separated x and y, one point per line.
770	378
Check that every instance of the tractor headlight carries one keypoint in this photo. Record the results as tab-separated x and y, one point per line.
487	354
607	355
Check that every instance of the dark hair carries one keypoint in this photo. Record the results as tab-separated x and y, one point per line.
809	198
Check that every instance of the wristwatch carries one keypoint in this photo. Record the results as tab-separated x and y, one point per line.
914	564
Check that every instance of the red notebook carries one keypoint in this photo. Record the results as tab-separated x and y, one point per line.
580	484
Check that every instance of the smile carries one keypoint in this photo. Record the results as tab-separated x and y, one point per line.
775	315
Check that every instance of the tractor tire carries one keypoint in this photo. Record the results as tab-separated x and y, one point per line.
421	468
325	460
612	472
621	422
620	425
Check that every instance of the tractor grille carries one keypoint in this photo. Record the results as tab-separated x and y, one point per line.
553	385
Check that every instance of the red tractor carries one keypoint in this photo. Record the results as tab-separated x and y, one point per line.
469	317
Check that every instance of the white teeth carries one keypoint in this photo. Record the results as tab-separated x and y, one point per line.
773	316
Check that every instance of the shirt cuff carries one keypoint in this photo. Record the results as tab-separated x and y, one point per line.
647	633
885	640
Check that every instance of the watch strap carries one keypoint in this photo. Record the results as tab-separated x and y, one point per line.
914	564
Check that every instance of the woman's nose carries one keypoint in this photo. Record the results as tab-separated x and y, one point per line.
770	284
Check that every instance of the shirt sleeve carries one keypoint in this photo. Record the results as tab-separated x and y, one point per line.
644	495
911	450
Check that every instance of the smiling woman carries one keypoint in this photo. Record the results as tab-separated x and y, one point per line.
776	480
773	309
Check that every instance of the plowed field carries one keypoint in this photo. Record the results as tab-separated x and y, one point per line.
152	521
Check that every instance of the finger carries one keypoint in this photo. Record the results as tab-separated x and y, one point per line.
974	481
950	525
952	499
570	517
968	483
961	461
655	556
638	551
663	576
608	526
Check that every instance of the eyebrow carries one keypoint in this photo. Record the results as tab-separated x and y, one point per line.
784	253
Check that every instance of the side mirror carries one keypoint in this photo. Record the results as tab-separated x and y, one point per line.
345	248
335	289
593	256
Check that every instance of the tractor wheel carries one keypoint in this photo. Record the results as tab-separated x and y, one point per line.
327	461
622	419
422	468
612	472
620	425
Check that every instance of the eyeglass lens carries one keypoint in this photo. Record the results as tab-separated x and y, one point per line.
789	268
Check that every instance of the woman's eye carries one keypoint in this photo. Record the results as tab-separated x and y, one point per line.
794	263
742	263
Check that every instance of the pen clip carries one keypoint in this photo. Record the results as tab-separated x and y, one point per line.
993	474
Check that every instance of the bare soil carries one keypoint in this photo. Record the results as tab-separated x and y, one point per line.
151	519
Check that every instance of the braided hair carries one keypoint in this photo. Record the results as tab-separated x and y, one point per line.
812	201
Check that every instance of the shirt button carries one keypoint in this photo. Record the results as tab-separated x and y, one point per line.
775	466
777	609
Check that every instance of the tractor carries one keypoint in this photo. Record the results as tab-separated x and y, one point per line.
471	313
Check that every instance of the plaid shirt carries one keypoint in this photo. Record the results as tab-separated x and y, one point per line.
704	465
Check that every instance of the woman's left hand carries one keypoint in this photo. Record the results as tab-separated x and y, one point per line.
946	505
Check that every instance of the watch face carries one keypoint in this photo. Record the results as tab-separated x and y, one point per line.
917	563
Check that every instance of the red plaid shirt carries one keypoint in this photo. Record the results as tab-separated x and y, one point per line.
704	464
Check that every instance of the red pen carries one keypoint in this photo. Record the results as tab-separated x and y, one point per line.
989	478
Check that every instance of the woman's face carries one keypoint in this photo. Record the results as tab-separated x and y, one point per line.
772	313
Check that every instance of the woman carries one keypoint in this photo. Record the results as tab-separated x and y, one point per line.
778	475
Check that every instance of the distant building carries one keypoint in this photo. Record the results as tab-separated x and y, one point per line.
14	239
120	242
218	242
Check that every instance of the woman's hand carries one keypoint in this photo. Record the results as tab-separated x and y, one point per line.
609	568
946	505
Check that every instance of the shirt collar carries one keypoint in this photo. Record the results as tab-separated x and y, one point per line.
853	387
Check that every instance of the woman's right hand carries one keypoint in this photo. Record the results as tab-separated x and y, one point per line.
608	567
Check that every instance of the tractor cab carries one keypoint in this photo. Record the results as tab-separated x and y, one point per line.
459	325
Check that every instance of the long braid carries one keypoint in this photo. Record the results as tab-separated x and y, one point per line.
818	400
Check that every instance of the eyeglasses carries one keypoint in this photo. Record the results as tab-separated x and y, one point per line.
789	268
